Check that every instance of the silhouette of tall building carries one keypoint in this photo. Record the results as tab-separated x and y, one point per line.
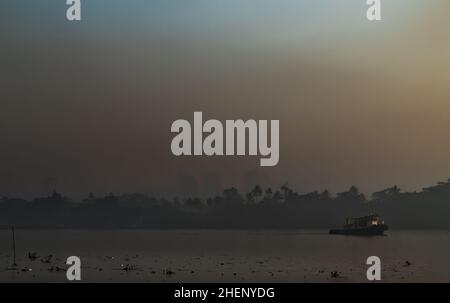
187	186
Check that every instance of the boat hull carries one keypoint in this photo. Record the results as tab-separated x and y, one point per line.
376	230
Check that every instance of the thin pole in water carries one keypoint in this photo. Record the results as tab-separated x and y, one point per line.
14	246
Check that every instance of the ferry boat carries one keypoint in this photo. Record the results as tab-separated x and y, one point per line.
371	225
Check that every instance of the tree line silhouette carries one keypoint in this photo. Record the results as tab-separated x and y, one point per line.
260	208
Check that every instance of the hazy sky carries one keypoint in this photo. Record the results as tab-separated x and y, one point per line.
88	106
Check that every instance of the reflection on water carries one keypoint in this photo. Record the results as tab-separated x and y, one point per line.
224	256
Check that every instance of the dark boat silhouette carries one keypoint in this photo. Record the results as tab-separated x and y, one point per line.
371	225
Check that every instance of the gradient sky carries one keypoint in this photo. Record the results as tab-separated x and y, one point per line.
88	106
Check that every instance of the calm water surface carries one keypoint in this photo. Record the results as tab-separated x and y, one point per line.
224	256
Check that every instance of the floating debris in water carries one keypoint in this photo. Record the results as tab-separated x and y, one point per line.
47	259
128	267
335	274
26	269
32	256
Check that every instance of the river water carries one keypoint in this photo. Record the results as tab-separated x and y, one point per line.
224	256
